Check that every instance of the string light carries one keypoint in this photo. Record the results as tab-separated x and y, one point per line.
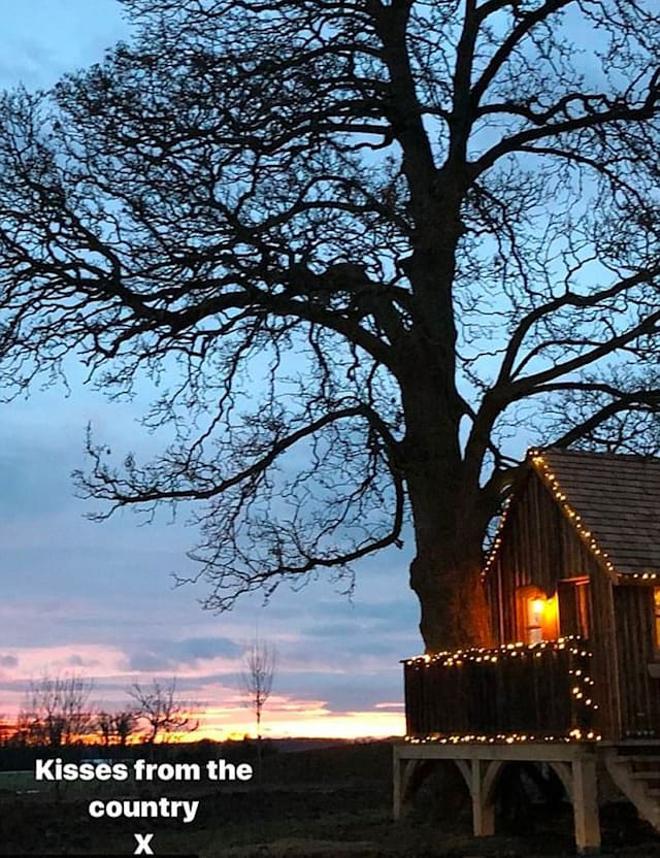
542	467
497	541
544	470
575	735
491	654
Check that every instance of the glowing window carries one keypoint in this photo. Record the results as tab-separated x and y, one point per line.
537	615
656	615
535	611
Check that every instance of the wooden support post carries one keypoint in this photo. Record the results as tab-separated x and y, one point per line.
483	809
403	774
397	785
585	807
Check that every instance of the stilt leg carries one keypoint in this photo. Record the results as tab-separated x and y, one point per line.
397	795
585	807
483	810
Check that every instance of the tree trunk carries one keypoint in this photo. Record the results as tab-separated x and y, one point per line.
450	519
446	572
454	613
259	756
448	509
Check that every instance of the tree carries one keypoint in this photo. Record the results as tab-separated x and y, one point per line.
257	682
422	226
103	727
56	711
163	711
115	727
124	724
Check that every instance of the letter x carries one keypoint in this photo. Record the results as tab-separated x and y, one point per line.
143	841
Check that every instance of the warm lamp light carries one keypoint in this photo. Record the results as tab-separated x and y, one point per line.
538	617
538	607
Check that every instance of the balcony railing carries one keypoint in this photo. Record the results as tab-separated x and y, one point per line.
513	692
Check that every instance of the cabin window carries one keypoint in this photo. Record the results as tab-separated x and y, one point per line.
656	616
534	620
537	615
574	609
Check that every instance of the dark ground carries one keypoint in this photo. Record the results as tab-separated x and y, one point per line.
330	802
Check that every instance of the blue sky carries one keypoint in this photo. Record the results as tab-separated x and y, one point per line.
97	599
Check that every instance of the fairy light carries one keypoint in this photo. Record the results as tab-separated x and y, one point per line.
542	467
497	541
575	735
574	644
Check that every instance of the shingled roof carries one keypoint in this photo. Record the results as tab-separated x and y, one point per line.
618	499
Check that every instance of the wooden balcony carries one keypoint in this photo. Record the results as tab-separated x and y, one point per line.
515	692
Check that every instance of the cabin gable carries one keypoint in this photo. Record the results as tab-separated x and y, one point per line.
539	548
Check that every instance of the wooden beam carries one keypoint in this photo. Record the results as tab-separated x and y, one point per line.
563	772
585	807
490	779
464	768
407	775
540	752
483	808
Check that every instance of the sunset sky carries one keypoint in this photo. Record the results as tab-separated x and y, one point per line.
97	599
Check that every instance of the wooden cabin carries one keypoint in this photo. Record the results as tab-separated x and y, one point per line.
573	673
578	553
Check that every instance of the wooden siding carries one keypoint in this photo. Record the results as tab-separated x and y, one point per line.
640	693
604	667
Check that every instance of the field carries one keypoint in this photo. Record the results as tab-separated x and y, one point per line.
331	802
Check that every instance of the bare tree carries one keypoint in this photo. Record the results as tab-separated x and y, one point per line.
102	725
115	728
56	711
257	682
257	678
421	225
159	706
124	725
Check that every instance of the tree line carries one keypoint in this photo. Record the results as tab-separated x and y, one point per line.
58	712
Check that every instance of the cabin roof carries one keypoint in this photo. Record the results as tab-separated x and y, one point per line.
618	499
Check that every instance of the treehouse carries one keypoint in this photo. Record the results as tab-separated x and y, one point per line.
572	678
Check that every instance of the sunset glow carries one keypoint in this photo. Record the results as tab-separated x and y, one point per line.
220	707
314	722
